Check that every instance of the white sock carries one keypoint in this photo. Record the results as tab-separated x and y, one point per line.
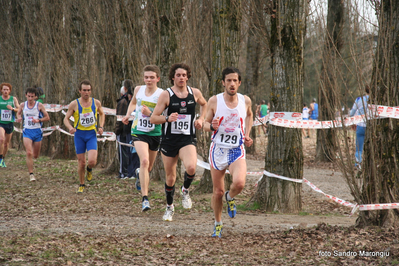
228	196
218	223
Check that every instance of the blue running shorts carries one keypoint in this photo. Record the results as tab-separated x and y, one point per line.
36	135
85	140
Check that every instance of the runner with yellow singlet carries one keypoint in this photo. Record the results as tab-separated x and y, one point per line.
8	106
84	111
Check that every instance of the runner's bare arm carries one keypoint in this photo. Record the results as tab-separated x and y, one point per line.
210	113
102	117
19	113
71	109
198	123
157	117
132	106
45	117
248	121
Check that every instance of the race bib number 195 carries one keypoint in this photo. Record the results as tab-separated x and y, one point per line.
182	125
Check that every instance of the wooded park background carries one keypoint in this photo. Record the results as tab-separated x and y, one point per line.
289	51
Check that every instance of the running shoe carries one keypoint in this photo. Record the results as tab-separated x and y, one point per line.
217	231
89	175
32	178
185	198
81	188
170	210
231	206
138	185
2	163
145	205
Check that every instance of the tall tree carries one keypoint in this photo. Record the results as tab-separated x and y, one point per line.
284	152
328	88
253	63
381	149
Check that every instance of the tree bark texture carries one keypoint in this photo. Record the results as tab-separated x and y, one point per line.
329	88
284	152
381	147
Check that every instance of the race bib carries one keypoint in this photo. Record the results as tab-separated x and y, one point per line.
30	122
181	125
143	123
228	139
87	119
6	115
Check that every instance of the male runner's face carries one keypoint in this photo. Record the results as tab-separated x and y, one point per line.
5	90
231	84
180	79
31	97
85	92
151	78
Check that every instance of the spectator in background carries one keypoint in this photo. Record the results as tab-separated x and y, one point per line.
40	94
313	111
263	113
122	132
305	116
360	108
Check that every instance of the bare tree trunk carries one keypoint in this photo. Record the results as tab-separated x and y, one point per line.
251	79
381	150
328	89
284	152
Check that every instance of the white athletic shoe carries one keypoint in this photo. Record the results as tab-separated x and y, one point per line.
185	199
32	178
168	216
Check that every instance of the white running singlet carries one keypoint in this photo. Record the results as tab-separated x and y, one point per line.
230	133
30	114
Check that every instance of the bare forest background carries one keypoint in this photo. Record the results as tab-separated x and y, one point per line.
289	52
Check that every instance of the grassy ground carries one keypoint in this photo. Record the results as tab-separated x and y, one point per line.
48	223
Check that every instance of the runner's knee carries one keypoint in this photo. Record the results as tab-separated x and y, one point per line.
218	192
191	169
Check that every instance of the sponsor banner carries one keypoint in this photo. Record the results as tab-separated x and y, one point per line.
286	115
384	111
119	117
109	111
381	206
54	107
259	121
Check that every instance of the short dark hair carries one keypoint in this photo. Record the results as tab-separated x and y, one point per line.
85	82
174	67
231	70
39	91
153	68
128	84
31	90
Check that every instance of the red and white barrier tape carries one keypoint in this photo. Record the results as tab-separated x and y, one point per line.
354	207
106	136
363	207
282	119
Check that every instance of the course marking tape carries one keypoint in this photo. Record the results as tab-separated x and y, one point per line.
363	207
